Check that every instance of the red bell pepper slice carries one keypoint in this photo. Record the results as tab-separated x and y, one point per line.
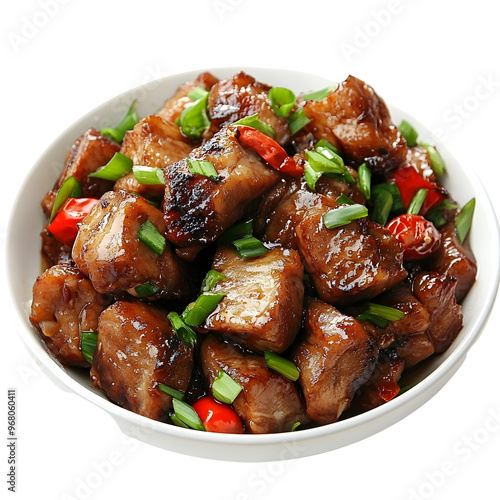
64	226
269	150
409	180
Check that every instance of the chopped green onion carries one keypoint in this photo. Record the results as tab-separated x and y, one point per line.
198	93
318	95
171	391
295	426
148	175
323	144
210	280
225	389
344	215
281	365
70	188
117	167
321	163
393	190
282	101
254	122
248	248
409	133
196	314
385	312
365	180
382	207
311	176
128	123
194	119
187	415
435	215
237	232
298	120
177	421
203	167
146	289
150	236
463	221
437	162
380	322
343	199
88	343
183	331
417	201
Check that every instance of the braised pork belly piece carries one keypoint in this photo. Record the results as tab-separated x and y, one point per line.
263	302
336	357
108	249
268	402
197	208
89	152
136	350
64	304
356	120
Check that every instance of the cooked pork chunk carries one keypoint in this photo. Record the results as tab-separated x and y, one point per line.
89	152
198	209
352	262
336	357
136	350
356	119
108	250
268	402
64	304
263	302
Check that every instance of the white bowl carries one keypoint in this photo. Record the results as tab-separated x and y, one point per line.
23	266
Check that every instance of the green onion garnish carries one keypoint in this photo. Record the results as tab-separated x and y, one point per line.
393	190
237	231
117	167
194	119
435	214
417	201
70	188
88	343
343	199
210	280
187	415
463	221
380	315
318	95
298	120
295	426
171	391
254	122
282	101
146	289
150	236
437	162
321	163
409	133
183	331
323	144
344	215
281	365
382	207
203	167
148	175
248	248
365	180
196	314
311	176
225	389
128	123
198	93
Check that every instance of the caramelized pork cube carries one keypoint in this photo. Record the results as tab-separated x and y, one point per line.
349	263
64	304
268	402
437	293
356	119
108	250
89	152
263	302
413	348
335	358
197	208
137	350
241	95
455	259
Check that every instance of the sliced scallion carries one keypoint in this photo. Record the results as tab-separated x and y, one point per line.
281	365
393	190
344	215
382	206
298	120
198	93
117	167
437	162
183	331
146	289
211	279
282	101
343	199
385	312
323	144
88	343
177	421
435	214
463	221
365	180
194	119
203	306
148	175
417	201
128	123
322	164
151	237
295	426
409	133
203	167
187	414
225	389
254	122
248	248
70	188
320	94
311	176
237	231
171	391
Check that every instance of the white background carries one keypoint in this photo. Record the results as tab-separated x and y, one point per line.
438	60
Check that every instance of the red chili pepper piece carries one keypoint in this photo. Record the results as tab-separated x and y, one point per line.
419	236
218	417
388	390
269	150
409	180
64	226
